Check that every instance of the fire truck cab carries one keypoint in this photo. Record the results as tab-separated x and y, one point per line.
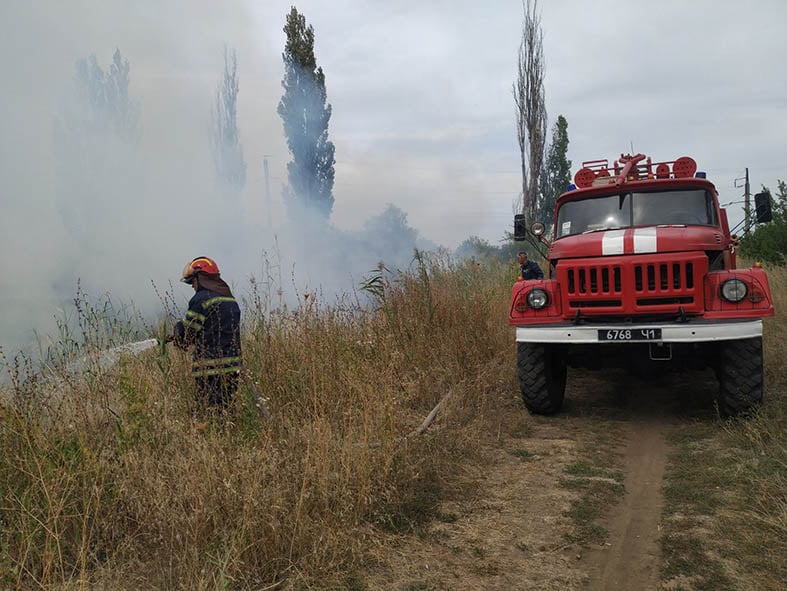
641	274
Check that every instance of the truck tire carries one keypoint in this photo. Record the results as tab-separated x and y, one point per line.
542	377
740	376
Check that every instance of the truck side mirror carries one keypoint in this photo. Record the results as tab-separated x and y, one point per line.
762	207
520	227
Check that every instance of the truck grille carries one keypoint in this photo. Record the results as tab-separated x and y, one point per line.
624	285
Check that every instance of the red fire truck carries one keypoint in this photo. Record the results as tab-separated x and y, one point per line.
641	274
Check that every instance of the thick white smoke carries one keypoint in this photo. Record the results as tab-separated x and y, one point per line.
85	204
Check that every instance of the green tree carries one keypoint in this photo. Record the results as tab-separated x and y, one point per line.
305	116
768	242
96	140
556	174
390	233
480	248
225	138
99	105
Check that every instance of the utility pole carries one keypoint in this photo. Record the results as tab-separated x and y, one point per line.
746	201
747	205
268	188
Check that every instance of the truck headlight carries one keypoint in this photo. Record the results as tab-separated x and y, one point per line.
538	298
734	290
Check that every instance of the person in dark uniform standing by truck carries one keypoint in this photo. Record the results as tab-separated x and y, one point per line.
528	269
212	327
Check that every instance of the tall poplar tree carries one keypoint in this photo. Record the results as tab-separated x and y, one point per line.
556	174
305	116
225	138
531	112
96	136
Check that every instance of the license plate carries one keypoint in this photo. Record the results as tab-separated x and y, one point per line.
629	334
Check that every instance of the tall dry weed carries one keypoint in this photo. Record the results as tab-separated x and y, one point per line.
758	446
775	334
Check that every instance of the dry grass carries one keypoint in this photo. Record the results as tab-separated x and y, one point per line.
109	482
726	494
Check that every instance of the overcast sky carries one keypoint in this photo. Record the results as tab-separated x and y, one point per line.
423	114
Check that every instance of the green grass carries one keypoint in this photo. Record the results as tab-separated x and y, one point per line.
522	454
692	495
688	557
726	505
597	480
589	509
585	469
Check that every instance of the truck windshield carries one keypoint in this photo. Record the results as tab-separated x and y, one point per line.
624	210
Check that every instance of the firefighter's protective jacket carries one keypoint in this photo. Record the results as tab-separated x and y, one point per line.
212	325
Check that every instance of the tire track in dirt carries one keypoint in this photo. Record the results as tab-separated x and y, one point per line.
649	409
513	532
632	558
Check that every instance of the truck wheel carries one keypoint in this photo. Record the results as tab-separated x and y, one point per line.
740	376
542	377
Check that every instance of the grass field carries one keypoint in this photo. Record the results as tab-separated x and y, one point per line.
108	481
726	490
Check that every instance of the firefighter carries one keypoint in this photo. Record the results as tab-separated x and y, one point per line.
528	269
212	327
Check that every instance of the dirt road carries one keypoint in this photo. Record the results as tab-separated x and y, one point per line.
631	561
518	528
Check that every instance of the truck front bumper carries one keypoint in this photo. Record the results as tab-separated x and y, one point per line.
694	331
